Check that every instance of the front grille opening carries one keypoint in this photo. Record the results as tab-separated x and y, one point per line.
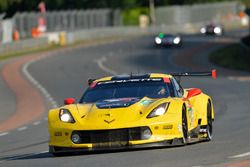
110	136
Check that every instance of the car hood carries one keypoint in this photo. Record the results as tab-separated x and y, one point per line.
114	112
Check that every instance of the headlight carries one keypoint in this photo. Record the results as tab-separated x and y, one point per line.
177	40
158	40
203	30
217	30
158	111
65	116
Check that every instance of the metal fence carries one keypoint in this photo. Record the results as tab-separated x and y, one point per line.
73	20
67	20
186	14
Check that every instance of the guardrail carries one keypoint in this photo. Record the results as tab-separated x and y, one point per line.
71	37
245	47
65	38
81	35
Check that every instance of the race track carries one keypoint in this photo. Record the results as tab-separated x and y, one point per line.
65	74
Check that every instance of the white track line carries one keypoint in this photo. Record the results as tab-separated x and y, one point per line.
4	133
36	83
103	67
240	155
240	78
37	123
45	93
22	128
38	86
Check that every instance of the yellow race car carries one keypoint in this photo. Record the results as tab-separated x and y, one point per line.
132	111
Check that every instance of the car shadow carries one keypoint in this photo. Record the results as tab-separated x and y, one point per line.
46	155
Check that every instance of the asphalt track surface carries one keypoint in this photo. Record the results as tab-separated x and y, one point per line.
65	75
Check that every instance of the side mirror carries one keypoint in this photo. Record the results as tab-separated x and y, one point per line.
68	101
193	92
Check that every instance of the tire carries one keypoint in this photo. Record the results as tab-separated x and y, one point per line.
209	123
184	125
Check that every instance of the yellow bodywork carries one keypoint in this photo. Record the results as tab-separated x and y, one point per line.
163	128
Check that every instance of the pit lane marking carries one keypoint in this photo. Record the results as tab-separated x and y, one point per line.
240	155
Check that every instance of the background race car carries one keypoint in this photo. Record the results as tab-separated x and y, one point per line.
168	40
212	29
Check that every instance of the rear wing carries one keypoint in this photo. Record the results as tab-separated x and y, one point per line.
178	75
197	74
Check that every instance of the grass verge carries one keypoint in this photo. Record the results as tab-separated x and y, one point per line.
28	51
230	57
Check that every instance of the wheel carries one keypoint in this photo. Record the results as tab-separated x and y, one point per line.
209	130
184	125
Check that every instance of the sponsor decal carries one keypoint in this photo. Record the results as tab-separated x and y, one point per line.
109	121
130	80
203	130
191	114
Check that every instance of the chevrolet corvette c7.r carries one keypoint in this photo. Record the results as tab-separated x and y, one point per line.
132	111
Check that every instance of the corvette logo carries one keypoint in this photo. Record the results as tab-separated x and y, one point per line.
109	121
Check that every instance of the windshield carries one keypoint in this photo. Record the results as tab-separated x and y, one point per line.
168	36
126	90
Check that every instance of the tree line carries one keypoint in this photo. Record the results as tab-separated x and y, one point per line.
11	6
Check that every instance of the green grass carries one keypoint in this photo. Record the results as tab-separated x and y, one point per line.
230	57
28	51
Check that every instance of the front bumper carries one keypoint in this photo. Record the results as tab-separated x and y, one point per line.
61	137
165	143
115	139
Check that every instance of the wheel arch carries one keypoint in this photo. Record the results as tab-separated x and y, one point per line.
202	114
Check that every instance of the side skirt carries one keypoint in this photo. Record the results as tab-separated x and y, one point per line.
197	134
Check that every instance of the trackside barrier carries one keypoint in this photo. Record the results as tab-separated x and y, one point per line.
82	35
64	38
22	45
70	37
188	28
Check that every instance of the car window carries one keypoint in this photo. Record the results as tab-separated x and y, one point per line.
125	90
179	89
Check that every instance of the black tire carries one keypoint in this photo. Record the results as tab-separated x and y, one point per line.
184	125
209	122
